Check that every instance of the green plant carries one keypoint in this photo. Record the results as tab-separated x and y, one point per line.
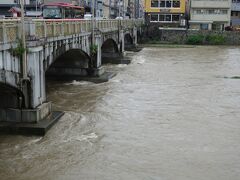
195	39
93	49
215	39
19	50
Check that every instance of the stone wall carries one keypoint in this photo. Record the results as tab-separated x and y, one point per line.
153	34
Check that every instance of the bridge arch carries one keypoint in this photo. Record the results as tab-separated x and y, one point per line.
109	50
71	62
11	97
109	46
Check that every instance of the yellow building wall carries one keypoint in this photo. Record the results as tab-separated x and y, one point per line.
149	9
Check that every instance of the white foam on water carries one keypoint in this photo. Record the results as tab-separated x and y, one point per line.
115	80
86	137
78	83
33	141
121	65
139	60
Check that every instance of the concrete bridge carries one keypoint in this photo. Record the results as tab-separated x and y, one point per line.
58	48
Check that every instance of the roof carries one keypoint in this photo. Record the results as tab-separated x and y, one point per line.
15	10
63	5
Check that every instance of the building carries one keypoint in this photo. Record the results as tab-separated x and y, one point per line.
6	5
168	13
210	15
116	8
235	13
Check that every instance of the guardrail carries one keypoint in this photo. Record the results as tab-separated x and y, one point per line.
10	29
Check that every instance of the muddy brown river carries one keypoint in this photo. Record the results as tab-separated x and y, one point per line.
172	114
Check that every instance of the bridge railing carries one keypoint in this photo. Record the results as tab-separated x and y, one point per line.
10	30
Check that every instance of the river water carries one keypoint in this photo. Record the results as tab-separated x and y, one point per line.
172	114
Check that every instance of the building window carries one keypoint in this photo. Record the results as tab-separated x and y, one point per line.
162	3
154	3
223	11
175	17
176	3
204	26
167	18
165	3
210	11
154	17
168	4
161	17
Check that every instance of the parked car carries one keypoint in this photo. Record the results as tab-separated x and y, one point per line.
229	28
120	18
237	28
87	16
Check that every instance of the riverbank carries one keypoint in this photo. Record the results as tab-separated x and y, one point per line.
154	35
159	45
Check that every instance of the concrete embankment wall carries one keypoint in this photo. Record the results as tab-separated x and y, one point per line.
153	34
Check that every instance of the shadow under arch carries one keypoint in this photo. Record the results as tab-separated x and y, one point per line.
11	97
70	63
110	51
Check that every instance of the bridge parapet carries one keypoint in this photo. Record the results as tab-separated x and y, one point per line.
10	30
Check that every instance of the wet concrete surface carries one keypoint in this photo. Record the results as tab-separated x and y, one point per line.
169	115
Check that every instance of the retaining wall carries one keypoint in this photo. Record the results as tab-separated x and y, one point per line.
152	33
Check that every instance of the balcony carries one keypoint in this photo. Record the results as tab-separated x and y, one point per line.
210	4
236	6
210	17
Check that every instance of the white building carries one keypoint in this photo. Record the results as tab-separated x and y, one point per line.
210	14
235	15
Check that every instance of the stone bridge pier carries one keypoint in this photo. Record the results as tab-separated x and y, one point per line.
57	49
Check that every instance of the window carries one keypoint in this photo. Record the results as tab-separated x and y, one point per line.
175	17
168	18
165	3
52	12
223	11
176	3
68	13
168	4
204	26
161	17
154	3
162	3
154	17
210	11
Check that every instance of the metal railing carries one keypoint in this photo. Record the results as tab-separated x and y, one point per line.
48	28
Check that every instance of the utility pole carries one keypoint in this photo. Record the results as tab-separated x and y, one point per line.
24	55
36	3
118	8
93	18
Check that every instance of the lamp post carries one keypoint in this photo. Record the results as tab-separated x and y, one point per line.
24	55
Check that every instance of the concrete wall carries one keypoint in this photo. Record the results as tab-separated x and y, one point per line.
153	34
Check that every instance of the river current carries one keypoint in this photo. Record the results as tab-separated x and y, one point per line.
172	114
